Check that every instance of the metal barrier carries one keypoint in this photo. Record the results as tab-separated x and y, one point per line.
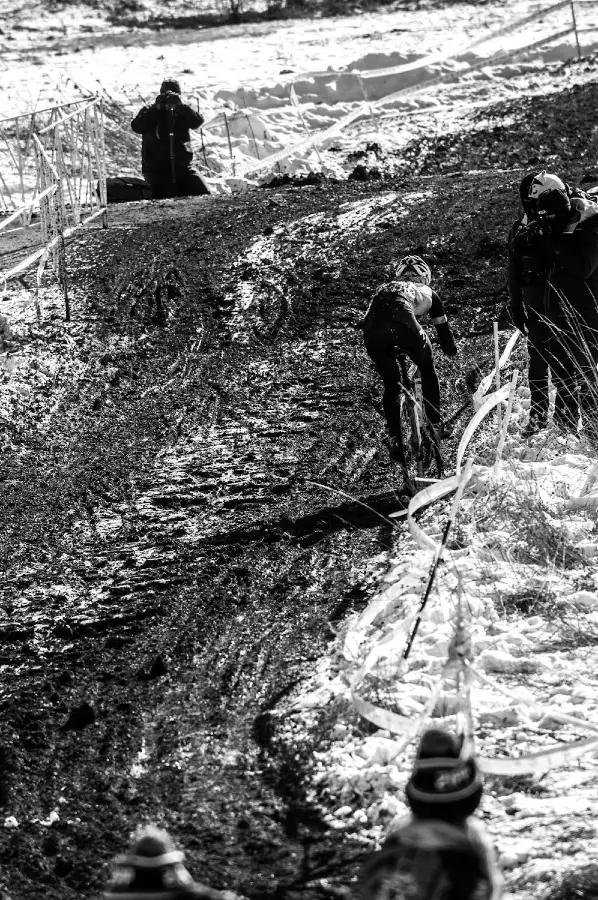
61	171
18	172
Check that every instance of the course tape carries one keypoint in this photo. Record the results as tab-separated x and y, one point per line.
403	93
408	727
540	761
45	250
491	401
424	498
365	108
432	58
488	379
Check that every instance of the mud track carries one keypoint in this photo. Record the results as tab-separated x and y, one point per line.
178	533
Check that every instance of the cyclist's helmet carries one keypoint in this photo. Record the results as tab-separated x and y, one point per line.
414	265
545	181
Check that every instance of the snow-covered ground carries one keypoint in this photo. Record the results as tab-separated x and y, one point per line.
522	574
338	68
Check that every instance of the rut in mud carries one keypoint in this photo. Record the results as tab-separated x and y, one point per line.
185	531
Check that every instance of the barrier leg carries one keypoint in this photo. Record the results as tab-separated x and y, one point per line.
575	28
497	372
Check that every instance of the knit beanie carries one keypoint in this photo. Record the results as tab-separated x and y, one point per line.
152	869
443	785
170	85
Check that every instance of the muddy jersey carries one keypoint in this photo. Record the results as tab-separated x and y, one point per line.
399	304
416	297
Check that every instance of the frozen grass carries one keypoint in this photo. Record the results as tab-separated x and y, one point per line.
536	537
578	884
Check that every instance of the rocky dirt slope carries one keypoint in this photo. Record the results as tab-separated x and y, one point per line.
182	528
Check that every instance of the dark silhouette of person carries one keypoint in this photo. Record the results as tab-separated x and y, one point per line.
153	870
553	284
441	850
390	327
166	154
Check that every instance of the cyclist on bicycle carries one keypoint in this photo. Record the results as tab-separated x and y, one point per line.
391	327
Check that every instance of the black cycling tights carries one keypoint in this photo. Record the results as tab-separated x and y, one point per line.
384	340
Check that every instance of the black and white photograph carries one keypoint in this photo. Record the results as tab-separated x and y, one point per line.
298	449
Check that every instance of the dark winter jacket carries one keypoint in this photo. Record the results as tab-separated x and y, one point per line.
167	882
526	273
572	260
153	124
430	859
555	271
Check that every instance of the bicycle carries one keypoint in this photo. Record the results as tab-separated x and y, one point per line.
416	448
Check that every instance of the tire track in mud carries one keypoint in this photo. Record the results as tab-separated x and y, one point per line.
187	612
270	563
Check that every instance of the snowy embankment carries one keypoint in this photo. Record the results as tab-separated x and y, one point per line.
521	571
320	87
288	127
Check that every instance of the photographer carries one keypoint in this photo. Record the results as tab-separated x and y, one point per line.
553	280
166	154
568	235
527	286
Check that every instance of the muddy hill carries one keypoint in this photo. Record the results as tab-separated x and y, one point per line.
193	493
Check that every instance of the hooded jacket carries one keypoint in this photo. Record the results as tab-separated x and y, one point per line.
556	270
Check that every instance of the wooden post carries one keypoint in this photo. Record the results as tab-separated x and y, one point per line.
230	146
575	28
257	149
296	104
497	371
203	150
101	159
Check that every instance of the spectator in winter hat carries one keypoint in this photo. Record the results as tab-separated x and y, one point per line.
166	154
153	870
561	245
440	851
568	231
527	285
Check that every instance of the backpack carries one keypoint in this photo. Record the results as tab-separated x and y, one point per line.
127	189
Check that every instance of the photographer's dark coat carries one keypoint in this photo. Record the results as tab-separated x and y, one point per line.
152	123
527	294
553	288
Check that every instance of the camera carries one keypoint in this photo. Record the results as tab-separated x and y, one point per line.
169	100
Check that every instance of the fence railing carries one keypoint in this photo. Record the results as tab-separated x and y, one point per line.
18	172
60	171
